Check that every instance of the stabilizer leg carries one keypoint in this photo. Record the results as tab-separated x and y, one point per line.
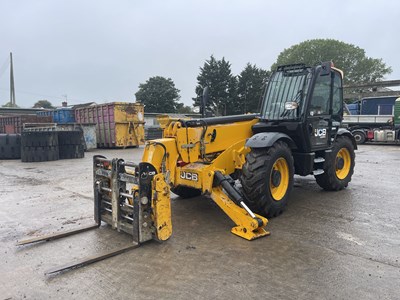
248	227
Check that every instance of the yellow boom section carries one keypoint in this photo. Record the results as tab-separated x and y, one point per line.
189	156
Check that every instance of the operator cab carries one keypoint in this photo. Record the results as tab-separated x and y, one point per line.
306	103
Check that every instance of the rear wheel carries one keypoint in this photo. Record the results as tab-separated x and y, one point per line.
339	166
267	179
359	136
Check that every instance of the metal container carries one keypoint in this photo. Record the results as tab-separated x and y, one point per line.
45	113
89	134
377	105
89	131
14	124
60	115
379	136
390	135
64	115
153	132
384	135
119	124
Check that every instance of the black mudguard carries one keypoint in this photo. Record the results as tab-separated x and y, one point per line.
345	132
267	139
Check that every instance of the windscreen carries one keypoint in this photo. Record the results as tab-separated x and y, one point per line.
286	86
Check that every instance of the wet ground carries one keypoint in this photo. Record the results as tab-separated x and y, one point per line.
327	245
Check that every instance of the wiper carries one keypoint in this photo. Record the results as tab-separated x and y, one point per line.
300	96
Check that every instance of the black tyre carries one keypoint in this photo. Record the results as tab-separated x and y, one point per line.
71	151
39	154
39	139
186	192
71	144
37	146
338	166
267	179
74	137
10	146
359	136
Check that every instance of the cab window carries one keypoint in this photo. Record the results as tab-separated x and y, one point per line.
320	99
337	94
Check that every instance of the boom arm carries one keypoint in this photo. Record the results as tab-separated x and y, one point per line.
202	156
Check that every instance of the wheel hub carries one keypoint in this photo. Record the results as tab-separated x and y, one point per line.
339	163
276	178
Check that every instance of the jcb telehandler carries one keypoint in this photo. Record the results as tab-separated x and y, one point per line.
245	163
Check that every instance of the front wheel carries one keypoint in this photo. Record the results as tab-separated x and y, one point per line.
267	179
339	166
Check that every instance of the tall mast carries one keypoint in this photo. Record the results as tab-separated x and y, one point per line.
12	88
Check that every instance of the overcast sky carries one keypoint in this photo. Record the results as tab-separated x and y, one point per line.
101	50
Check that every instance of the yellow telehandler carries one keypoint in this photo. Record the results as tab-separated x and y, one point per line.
245	163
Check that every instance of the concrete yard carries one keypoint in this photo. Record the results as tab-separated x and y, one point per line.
327	245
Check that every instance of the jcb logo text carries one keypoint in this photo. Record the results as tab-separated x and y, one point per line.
189	176
320	132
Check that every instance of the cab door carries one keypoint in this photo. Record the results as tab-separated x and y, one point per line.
318	117
325	110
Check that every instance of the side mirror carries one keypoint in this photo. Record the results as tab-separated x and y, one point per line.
291	105
204	101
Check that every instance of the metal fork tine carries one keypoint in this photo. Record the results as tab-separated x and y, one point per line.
55	236
90	259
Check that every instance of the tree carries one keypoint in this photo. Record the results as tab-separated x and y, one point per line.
357	67
217	75
250	87
43	104
158	94
183	109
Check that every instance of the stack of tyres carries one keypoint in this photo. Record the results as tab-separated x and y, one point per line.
39	146
71	144
10	146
